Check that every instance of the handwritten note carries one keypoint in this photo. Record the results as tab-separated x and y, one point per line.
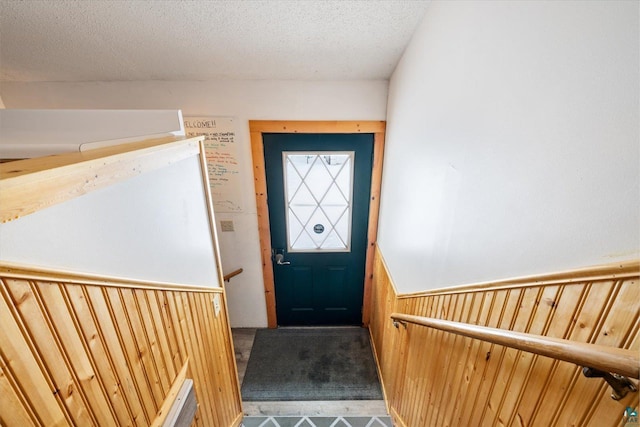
222	160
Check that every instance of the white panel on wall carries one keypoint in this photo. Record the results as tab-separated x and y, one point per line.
154	226
513	143
33	133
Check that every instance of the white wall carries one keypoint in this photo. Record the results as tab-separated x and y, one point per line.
244	100
154	226
513	142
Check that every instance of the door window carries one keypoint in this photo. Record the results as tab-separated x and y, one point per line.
318	197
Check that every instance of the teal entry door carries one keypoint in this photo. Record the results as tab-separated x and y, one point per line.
318	188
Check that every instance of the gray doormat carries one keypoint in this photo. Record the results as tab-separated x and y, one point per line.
311	364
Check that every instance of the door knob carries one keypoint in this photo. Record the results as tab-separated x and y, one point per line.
280	260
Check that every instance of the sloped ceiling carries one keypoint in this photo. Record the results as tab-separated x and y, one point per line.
97	40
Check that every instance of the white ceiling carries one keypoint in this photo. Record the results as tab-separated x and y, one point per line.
98	40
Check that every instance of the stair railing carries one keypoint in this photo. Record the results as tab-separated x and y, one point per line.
612	364
234	273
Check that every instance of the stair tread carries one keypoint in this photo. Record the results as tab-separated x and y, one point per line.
344	408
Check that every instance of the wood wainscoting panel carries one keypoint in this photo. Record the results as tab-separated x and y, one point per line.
435	378
98	354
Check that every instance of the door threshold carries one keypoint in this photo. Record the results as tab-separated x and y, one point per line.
322	327
317	408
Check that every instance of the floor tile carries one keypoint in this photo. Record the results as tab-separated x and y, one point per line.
259	422
380	422
253	421
322	421
317	422
358	421
292	422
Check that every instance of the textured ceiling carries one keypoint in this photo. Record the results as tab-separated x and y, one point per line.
97	40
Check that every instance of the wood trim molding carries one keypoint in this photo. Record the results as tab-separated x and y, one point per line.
397	419
171	396
257	128
372	233
619	270
27	186
238	420
210	213
274	126
20	271
385	394
260	181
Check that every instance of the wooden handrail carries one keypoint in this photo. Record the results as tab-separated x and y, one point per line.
607	359
234	273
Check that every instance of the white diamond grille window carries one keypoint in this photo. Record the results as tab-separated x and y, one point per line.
318	197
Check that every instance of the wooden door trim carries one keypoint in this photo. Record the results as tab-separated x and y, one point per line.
257	128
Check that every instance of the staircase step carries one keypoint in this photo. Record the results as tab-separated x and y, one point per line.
314	408
284	421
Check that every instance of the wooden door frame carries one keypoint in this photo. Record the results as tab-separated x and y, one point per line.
257	128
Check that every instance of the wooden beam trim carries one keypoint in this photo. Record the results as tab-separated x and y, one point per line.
210	213
238	420
171	395
376	358
40	164
271	126
19	271
31	185
260	182
372	232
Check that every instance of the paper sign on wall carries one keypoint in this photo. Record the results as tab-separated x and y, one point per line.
222	160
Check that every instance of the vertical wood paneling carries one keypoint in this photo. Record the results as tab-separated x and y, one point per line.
151	314
99	354
94	344
165	324
114	351
461	378
132	356
77	359
13	409
31	384
544	370
601	413
480	353
38	325
434	378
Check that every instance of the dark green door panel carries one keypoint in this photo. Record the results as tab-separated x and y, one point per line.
319	288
